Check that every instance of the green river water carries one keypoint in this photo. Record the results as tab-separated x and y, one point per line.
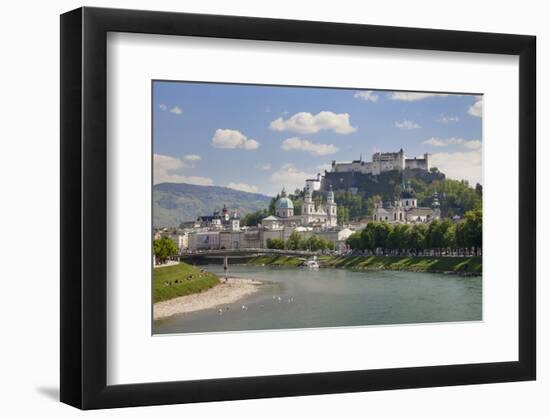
300	298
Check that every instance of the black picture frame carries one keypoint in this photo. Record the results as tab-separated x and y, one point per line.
84	207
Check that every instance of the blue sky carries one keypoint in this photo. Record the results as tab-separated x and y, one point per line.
261	138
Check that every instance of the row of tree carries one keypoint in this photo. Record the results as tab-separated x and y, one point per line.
297	241
439	236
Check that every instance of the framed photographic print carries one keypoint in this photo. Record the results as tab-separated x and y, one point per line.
257	208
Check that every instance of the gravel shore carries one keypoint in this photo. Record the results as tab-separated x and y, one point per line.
224	293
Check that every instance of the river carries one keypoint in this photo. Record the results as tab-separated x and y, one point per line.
301	298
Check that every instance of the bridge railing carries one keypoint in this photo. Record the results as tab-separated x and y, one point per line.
249	251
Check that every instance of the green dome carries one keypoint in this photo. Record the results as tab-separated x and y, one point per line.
284	203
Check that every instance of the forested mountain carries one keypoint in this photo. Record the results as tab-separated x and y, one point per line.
174	203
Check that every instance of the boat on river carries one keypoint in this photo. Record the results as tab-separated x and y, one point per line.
311	263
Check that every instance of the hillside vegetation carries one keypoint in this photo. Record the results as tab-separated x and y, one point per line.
175	203
455	197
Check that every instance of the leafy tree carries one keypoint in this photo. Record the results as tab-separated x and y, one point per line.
295	241
163	248
354	240
381	232
417	237
393	239
369	203
479	189
271	207
254	219
275	243
439	236
474	228
342	214
367	237
316	243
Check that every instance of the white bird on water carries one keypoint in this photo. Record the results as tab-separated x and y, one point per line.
220	311
244	307
279	299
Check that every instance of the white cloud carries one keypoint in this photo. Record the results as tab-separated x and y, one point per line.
404	96
192	157
304	122
264	167
468	144
449	119
435	142
176	110
304	145
163	107
472	144
407	124
366	96
163	167
460	165
251	144
476	109
455	141
233	139
240	186
290	177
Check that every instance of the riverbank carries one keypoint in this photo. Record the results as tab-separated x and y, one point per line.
220	295
179	280
445	264
276	260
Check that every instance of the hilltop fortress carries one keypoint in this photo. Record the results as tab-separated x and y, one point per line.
383	162
352	175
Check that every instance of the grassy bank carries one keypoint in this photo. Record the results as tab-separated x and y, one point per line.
276	260
458	265
181	279
406	263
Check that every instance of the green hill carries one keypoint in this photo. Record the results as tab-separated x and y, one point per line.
174	203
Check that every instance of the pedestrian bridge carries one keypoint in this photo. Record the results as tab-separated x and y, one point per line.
241	253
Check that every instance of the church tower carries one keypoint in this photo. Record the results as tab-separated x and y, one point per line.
332	210
308	207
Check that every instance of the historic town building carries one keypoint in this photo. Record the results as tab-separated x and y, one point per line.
220	220
406	210
321	216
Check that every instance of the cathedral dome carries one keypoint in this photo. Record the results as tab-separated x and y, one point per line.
284	203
